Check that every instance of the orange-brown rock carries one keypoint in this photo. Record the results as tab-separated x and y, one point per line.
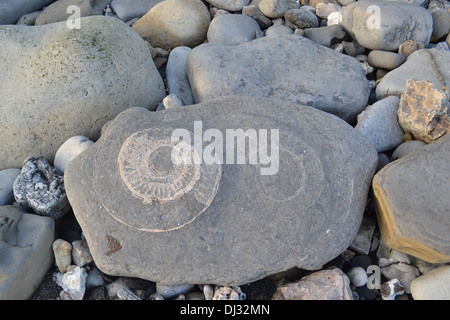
424	110
412	202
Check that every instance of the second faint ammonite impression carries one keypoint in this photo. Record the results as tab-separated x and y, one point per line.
174	192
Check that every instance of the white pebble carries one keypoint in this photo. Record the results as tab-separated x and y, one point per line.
73	282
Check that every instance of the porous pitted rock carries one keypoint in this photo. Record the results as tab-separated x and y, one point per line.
146	215
40	187
412	202
424	110
63	83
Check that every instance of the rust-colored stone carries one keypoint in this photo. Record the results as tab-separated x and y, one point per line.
424	110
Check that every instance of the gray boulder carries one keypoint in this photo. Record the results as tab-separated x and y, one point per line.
426	64
230	5
379	124
385	25
231	29
127	10
25	252
57	11
12	10
63	83
146	215
289	67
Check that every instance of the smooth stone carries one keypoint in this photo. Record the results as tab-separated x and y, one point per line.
40	187
94	278
174	23
433	285
7	178
387	27
121	74
323	10
425	64
69	150
441	24
280	67
385	59
12	10
378	123
204	236
278	30
176	76
325	35
274	9
168	291
253	12
127	10
231	29
412	204
334	18
172	101
57	11
406	148
230	5
353	48
329	284
25	252
301	18
62	251
424	110
357	276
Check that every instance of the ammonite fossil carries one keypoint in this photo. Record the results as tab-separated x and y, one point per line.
170	189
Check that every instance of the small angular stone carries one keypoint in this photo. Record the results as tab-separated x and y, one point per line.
424	110
228	293
80	253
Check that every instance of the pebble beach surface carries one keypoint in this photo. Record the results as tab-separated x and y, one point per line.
352	99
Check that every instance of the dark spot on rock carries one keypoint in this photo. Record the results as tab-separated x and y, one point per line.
113	245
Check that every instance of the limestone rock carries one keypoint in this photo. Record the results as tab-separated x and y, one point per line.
424	110
267	220
277	8
7	178
176	76
280	67
330	284
174	23
25	252
12	10
40	187
412	204
73	282
231	29
426	64
127	10
433	285
385	25
230	5
62	251
69	150
57	11
378	123
75	80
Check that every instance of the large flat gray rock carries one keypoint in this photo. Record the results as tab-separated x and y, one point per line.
288	67
223	223
59	83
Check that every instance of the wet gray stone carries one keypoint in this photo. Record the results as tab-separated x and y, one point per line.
304	215
285	66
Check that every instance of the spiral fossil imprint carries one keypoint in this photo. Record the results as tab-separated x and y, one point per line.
148	171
